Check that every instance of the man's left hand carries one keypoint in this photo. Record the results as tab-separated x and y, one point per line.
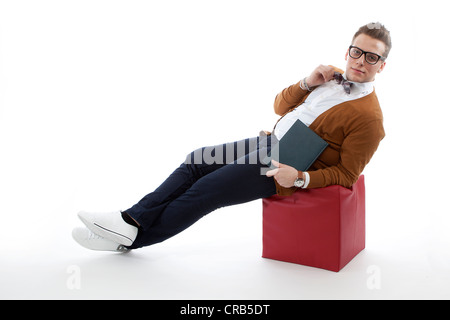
285	175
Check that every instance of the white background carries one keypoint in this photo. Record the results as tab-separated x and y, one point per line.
101	100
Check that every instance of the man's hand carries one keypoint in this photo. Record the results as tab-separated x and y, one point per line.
320	75
285	175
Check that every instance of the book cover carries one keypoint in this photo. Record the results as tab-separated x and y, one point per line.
298	148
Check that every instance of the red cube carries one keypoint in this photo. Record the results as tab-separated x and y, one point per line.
323	228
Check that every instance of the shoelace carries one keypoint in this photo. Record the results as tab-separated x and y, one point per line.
93	236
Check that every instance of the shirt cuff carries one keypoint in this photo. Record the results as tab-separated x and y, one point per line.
307	179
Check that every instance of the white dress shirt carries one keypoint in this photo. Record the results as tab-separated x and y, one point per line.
323	98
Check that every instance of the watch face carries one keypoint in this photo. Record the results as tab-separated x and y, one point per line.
299	183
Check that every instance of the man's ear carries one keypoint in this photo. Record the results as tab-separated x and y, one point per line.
381	67
346	55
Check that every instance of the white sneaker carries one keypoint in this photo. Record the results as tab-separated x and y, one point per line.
110	226
89	240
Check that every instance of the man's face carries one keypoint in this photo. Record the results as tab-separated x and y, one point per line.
358	70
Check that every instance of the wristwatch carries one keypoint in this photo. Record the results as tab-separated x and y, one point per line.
299	182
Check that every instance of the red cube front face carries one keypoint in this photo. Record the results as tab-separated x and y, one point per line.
323	228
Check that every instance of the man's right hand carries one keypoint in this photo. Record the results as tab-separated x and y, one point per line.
320	75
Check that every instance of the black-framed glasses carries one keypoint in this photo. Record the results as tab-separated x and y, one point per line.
370	57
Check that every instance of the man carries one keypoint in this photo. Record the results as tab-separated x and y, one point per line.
345	113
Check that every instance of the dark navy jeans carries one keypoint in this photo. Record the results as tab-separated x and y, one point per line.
210	178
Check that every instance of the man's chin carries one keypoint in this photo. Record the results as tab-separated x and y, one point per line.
357	78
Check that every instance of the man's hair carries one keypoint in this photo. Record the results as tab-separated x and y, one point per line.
377	31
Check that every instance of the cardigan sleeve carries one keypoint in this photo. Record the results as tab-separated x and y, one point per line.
289	98
292	97
356	151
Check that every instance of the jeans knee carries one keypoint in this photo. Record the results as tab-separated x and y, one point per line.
207	156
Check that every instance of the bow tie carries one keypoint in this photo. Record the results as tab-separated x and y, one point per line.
345	83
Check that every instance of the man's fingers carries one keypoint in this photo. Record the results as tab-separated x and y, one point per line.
275	163
272	173
320	75
327	73
279	165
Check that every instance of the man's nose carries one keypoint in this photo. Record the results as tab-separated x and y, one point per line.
361	60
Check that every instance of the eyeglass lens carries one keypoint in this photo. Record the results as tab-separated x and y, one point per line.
371	58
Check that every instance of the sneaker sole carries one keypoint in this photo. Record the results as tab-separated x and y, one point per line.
106	233
81	240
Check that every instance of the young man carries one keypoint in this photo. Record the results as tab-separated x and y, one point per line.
345	113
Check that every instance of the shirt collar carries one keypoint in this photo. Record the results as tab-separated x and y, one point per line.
363	88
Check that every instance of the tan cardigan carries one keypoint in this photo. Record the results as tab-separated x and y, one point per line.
353	131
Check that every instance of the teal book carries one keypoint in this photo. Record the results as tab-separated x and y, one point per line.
299	148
